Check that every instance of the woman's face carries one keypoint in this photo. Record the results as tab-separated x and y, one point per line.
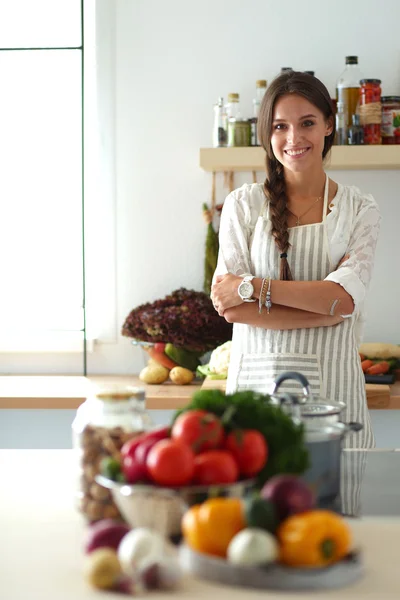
298	133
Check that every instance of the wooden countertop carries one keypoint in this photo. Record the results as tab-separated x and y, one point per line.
69	391
41	553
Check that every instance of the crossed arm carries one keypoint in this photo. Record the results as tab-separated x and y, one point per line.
296	304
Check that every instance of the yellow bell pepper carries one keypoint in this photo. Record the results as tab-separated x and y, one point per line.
313	539
209	527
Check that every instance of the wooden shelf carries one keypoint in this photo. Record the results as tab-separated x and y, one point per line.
342	158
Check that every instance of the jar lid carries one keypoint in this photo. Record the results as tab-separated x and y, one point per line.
390	98
261	83
233	97
119	393
351	60
375	81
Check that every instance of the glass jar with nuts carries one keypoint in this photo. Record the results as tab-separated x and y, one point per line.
108	418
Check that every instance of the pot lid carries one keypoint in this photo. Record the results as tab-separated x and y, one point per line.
321	408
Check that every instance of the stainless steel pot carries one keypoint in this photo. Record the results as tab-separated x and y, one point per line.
307	406
324	435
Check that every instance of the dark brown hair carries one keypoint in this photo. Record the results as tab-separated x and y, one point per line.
313	90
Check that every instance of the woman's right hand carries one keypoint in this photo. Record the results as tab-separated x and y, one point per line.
224	292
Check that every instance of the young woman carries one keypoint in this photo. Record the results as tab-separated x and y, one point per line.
307	241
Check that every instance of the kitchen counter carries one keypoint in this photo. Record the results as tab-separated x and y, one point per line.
69	391
42	534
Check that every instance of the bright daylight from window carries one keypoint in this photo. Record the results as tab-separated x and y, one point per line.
41	179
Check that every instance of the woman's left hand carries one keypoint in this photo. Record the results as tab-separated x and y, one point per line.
224	292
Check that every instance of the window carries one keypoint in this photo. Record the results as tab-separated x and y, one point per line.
41	185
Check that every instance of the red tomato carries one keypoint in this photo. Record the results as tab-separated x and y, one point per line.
250	450
132	470
215	466
160	433
142	452
199	429
170	463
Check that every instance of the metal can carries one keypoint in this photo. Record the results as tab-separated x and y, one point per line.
239	133
371	110
390	120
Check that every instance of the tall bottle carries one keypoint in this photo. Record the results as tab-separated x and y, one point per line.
220	132
261	88
348	88
341	138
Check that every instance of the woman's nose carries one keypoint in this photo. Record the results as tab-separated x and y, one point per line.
293	135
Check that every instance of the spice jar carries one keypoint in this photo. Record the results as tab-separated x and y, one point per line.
390	120
108	418
371	110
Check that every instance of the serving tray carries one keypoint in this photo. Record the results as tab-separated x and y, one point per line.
387	379
274	576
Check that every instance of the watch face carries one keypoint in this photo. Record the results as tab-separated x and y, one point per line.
246	289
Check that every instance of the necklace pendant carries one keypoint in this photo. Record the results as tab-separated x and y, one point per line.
297	222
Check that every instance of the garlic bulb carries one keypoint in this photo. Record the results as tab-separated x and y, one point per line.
252	546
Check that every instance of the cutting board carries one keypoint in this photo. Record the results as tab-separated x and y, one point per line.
378	395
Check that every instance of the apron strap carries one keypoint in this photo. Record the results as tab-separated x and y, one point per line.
326	197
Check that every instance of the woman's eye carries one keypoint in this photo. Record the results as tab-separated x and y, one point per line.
279	126
308	123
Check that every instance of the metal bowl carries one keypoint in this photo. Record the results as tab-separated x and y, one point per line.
162	508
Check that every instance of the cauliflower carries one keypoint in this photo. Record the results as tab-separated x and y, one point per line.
219	360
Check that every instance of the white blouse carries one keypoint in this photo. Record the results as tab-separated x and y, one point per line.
352	228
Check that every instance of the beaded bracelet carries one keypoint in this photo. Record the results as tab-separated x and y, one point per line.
263	294
268	302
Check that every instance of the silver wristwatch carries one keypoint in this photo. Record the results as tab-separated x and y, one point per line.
246	289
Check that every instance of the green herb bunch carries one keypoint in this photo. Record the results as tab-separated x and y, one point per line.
251	410
185	318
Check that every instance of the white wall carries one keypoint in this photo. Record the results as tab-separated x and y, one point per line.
173	59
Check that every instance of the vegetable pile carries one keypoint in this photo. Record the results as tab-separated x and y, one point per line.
128	560
217	439
279	525
169	362
185	318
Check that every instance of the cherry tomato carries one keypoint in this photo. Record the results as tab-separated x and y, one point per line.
215	466
142	452
250	450
199	429
160	433
170	463
132	470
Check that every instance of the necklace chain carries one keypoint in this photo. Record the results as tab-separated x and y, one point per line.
298	217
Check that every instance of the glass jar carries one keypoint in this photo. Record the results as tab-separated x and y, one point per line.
371	110
390	120
108	418
239	132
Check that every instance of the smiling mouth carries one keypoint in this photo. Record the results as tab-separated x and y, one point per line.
296	153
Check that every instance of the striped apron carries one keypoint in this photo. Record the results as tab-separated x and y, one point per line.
327	356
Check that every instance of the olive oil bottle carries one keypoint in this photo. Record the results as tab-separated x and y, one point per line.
348	88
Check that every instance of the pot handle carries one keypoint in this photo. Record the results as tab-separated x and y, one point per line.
354	427
297	377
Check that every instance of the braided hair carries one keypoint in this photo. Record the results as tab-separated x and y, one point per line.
313	90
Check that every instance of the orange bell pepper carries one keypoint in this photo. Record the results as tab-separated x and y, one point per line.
209	527
313	539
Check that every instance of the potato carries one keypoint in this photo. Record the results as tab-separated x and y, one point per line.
181	376
154	374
